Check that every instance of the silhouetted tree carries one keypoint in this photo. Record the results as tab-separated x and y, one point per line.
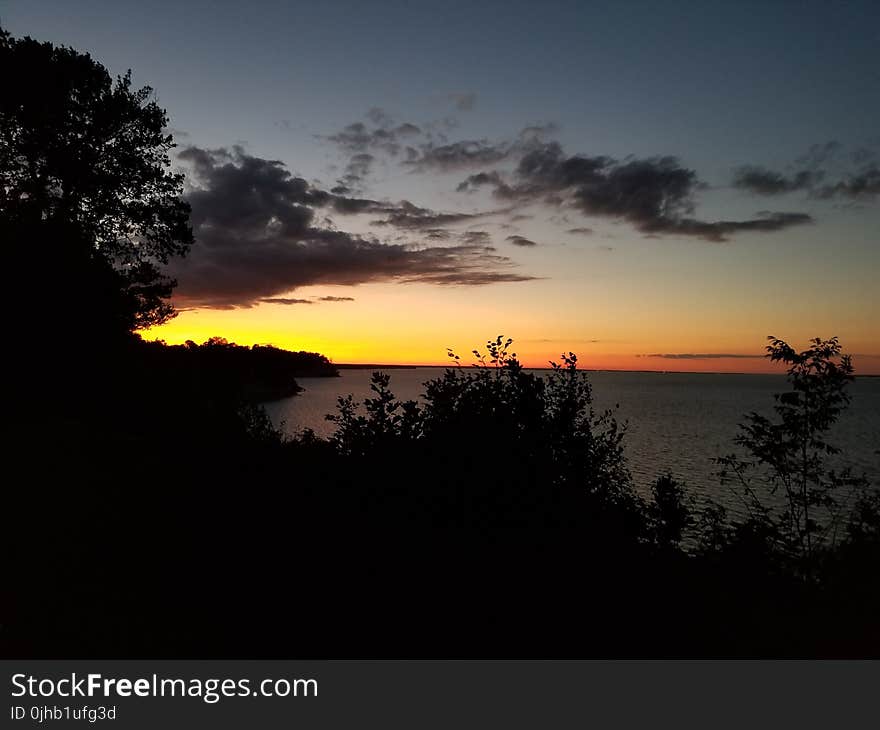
88	204
669	512
791	454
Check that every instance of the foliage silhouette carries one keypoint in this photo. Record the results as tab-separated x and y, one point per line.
495	516
792	455
528	450
670	512
87	198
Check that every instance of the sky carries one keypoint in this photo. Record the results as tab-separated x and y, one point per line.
654	186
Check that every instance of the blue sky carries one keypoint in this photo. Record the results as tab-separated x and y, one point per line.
721	82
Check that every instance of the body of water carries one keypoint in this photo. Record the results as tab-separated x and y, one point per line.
677	422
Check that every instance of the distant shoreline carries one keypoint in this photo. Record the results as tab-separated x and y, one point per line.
376	366
371	366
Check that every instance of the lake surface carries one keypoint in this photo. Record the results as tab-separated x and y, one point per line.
677	422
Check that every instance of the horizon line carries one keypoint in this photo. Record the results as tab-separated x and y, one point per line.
411	366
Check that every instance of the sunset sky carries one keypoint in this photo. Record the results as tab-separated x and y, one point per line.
655	186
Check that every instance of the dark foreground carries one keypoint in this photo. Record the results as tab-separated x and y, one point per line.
168	520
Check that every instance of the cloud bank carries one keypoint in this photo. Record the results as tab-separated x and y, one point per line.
257	238
823	173
655	195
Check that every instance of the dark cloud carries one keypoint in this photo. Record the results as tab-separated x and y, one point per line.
379	117
862	185
476	237
537	132
823	172
360	163
703	356
243	178
257	238
474	277
406	130
351	206
360	142
656	195
358	137
426	147
720	230
458	155
865	156
408	216
473	182
465	154
766	182
463	101
288	300
356	171
819	155
437	234
580	231
382	135
520	241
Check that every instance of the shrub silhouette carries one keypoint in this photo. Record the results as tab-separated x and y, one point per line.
791	455
670	513
495	516
521	449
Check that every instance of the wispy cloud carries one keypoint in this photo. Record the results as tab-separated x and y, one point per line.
463	101
285	300
824	172
703	356
521	241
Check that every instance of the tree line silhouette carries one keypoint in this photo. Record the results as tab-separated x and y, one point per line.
153	510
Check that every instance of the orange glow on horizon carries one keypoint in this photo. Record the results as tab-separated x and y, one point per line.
346	342
413	324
